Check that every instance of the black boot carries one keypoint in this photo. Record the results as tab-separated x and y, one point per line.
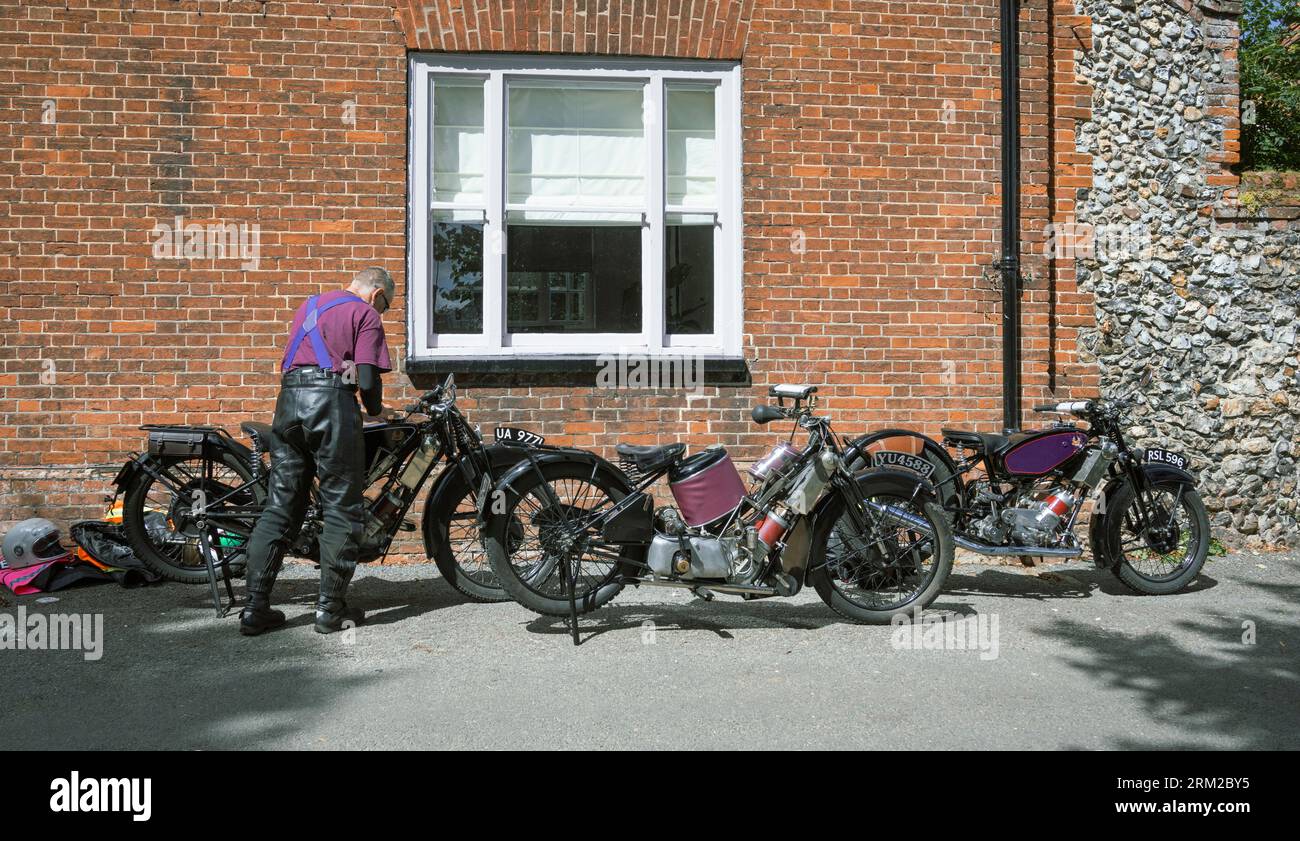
332	614
257	615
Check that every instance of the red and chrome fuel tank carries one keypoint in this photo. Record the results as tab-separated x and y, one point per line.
1038	452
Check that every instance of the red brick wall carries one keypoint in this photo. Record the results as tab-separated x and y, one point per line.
870	135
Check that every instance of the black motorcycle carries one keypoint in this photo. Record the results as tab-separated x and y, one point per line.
199	478
1019	494
569	530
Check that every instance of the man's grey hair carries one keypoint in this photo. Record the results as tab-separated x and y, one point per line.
374	276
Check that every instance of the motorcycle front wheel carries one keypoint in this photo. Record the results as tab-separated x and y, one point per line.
896	563
1164	552
451	531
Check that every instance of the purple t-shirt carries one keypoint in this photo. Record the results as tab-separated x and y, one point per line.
352	332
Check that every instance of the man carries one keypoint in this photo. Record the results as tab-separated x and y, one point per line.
336	347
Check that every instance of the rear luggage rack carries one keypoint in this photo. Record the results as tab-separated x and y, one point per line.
182	441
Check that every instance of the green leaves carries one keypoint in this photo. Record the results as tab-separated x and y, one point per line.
1270	84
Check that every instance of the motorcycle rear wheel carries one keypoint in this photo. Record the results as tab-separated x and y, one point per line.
532	565
150	514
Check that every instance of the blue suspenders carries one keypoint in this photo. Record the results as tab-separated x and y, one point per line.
310	328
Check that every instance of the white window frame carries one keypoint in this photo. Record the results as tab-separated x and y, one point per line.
496	71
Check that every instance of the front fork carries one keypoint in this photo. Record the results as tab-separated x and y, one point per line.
867	523
1141	487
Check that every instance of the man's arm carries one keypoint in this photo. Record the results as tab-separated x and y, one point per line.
371	387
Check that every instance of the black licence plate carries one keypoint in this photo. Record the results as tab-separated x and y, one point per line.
1156	455
513	435
893	458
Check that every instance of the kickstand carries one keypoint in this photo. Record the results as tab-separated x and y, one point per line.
208	547
573	601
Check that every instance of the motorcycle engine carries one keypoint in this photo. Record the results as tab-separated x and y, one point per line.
678	551
1039	523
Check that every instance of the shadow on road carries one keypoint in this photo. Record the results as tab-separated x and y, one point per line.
175	677
717	617
1041	585
1212	686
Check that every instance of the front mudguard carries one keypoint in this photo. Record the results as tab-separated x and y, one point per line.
1163	473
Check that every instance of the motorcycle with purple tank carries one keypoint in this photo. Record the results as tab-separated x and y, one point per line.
1021	493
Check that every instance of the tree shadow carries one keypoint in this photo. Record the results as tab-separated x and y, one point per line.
384	600
1212	686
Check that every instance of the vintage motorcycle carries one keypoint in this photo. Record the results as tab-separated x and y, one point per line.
192	475
566	531
1020	493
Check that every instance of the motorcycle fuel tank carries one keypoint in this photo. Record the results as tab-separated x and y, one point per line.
706	486
1039	452
384	437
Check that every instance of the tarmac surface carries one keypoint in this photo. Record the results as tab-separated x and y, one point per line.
1052	657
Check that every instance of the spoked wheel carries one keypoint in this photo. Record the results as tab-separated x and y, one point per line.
541	539
158	514
459	552
872	567
1161	544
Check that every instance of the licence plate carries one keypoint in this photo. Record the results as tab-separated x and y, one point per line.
893	458
512	435
1156	455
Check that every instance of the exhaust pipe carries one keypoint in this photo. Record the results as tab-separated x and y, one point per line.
897	514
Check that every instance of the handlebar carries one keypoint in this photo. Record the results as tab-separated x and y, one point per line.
1073	407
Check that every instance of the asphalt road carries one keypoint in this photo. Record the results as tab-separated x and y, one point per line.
1080	663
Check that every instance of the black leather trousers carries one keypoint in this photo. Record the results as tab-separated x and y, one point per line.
316	434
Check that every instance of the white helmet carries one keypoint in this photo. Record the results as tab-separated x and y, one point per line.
31	542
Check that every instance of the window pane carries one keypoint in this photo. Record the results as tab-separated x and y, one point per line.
688	275
458	154
457	275
573	278
691	166
575	147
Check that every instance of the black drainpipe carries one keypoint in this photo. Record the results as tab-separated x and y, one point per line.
1010	263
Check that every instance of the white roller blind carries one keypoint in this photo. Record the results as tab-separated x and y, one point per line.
572	146
691	149
458	148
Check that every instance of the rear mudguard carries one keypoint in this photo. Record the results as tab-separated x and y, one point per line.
143	462
946	478
449	488
1101	556
904	483
550	455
